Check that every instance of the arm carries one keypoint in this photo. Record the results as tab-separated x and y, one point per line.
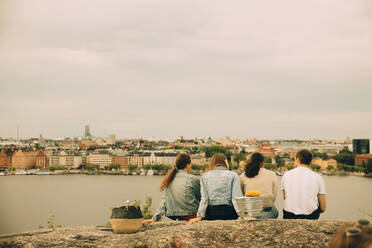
275	188
196	188
203	201
322	202
161	210
242	186
236	191
322	195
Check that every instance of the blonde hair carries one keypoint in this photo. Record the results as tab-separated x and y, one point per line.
218	159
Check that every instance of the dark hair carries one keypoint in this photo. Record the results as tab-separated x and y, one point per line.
218	159
182	160
304	156
253	165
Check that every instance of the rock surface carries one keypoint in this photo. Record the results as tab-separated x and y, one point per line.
237	233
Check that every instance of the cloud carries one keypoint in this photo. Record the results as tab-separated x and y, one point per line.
126	66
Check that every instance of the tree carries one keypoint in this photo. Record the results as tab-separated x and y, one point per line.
330	167
279	161
268	160
369	166
345	157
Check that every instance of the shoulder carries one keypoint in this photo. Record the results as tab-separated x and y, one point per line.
193	177
268	172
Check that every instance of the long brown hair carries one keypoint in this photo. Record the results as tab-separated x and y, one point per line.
218	159
182	160
253	165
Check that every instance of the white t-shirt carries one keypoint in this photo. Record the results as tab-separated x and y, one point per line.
302	186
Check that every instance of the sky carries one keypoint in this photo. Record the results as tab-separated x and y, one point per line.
244	69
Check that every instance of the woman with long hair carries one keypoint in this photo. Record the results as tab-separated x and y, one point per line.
181	192
256	177
219	189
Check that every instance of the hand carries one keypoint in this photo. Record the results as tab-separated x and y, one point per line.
147	221
196	219
249	218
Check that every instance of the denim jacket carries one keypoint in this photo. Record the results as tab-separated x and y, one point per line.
181	197
219	187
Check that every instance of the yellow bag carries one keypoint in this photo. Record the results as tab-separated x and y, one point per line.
253	193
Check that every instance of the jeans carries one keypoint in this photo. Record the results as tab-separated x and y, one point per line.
220	212
269	213
313	216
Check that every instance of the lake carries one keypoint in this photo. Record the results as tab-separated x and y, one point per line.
28	201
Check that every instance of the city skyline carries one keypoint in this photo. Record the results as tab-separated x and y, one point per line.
264	70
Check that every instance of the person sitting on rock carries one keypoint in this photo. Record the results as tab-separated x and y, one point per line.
219	188
303	190
181	192
258	178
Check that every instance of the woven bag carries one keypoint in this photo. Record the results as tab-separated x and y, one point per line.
121	224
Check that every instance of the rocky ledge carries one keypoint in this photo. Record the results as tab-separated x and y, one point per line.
237	233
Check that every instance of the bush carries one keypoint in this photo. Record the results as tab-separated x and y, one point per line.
91	167
315	167
199	167
269	166
290	167
112	167
330	167
56	167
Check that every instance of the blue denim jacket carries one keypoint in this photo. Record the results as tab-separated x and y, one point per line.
181	197
219	187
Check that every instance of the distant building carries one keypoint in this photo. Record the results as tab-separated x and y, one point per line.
67	160
87	135
325	163
361	146
120	160
361	160
4	160
267	152
111	139
99	159
28	160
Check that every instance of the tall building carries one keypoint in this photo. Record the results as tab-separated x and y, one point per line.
87	132
361	146
111	139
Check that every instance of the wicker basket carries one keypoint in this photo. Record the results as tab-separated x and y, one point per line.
126	225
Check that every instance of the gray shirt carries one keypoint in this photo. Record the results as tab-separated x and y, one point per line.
181	197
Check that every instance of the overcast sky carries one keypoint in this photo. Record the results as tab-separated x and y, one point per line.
143	68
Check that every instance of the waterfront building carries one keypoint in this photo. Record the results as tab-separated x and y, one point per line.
4	160
325	163
120	160
99	159
361	146
135	159
362	159
65	159
28	160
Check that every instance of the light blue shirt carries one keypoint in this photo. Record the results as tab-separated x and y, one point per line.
181	197
219	187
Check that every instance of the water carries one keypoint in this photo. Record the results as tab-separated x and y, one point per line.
28	201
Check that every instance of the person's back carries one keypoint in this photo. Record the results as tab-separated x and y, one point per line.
254	178
218	185
181	192
303	190
182	195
